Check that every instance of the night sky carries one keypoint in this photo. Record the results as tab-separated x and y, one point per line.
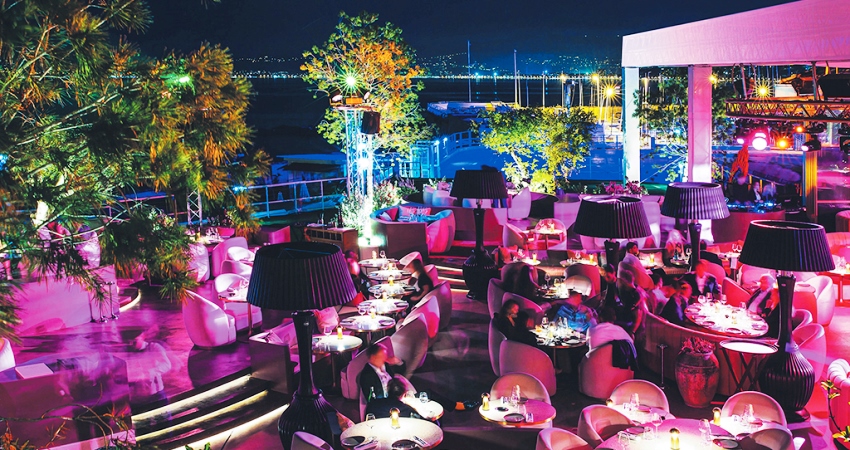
285	28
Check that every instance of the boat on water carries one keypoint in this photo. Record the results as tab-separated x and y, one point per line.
466	109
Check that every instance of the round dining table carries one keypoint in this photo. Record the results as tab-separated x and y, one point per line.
389	306
335	345
690	437
371	265
367	324
392	290
384	275
726	320
412	433
517	416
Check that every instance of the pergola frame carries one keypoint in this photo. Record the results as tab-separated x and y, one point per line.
795	33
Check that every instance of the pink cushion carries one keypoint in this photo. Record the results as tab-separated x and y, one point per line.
385	216
411	210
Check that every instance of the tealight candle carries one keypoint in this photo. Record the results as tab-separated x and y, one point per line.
394	419
716	412
374	254
391	280
593	258
534	256
609	402
385	296
652	258
674	439
485	402
339	332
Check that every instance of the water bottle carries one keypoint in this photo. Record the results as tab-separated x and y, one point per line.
371	394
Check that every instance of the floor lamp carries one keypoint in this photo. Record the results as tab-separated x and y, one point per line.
301	277
787	247
695	202
612	217
479	268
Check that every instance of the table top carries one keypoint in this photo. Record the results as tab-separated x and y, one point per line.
366	323
333	344
383	432
384	275
542	411
398	289
644	413
735	426
570	262
429	410
548	231
726	320
531	261
377	262
559	338
750	347
561	293
689	436
387	307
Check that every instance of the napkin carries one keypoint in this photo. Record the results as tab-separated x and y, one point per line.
369	444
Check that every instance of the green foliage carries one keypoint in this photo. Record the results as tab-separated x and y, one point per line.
380	63
355	208
560	138
85	120
666	115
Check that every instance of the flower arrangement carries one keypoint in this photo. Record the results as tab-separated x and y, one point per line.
630	187
354	209
440	185
696	345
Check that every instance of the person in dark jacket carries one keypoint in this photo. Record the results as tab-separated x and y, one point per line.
381	407
702	282
378	372
709	256
513	323
674	309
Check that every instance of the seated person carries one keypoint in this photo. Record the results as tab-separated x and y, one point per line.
628	303
521	279
656	298
760	298
578	316
504	255
632	255
702	282
707	255
674	309
770	314
381	407
740	191
608	289
675	245
376	375
605	330
514	324
420	281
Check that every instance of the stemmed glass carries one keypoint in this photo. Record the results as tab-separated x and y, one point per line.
327	330
423	397
546	278
369	420
362	309
383	254
656	420
705	430
688	253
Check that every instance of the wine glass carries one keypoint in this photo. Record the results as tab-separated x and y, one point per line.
687	252
544	322
702	299
546	278
635	401
423	397
327	330
705	430
383	254
362	309
656	420
370	420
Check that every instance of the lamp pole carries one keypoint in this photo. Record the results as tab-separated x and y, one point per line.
544	88
563	95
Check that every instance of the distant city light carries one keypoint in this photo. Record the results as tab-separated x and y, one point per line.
760	140
183	79
783	142
350	81
609	91
713	79
763	91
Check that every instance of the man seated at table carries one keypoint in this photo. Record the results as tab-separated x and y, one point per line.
381	407
605	330
709	256
377	374
656	298
514	324
760	298
578	316
674	309
628	304
608	289
702	282
632	255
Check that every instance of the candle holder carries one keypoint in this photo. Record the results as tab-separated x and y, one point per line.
339	333
674	439
394	419
485	402
716	412
609	402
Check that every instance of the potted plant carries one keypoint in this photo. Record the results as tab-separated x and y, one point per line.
697	372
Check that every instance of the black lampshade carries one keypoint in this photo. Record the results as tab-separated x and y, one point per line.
788	246
695	201
479	184
605	216
300	276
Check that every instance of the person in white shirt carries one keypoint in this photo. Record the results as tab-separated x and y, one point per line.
378	372
605	330
632	255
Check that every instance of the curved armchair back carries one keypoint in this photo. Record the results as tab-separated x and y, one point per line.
735	294
533	309
237	267
812	341
495	292
429	307
770	438
597	376
650	394
512	236
495	339
441	232
838	373
716	270
529	386
766	406
443	292
219	253
431	270
597	423
559	439
306	441
408	258
523	358
410	343
206	323
592	274
817	296
240	254
7	357
800	318
225	281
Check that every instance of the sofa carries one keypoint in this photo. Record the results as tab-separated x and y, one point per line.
274	357
400	238
660	331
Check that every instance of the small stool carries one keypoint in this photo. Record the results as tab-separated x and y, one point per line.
661	347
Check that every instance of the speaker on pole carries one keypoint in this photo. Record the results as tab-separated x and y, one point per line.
370	123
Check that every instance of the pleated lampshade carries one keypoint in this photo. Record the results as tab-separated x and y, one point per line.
695	201
479	184
300	276
789	246
605	216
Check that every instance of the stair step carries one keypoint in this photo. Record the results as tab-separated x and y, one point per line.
202	408
145	410
223	422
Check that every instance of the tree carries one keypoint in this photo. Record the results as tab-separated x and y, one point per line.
666	115
85	121
561	139
361	56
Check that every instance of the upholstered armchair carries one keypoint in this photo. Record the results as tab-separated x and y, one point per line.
208	325
239	310
597	376
443	292
494	340
811	339
589	271
410	343
405	260
441	232
513	236
237	267
523	358
520	205
597	423
429	307
650	394
219	253
529	386
766	406
817	296
772	438
495	292
559	439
